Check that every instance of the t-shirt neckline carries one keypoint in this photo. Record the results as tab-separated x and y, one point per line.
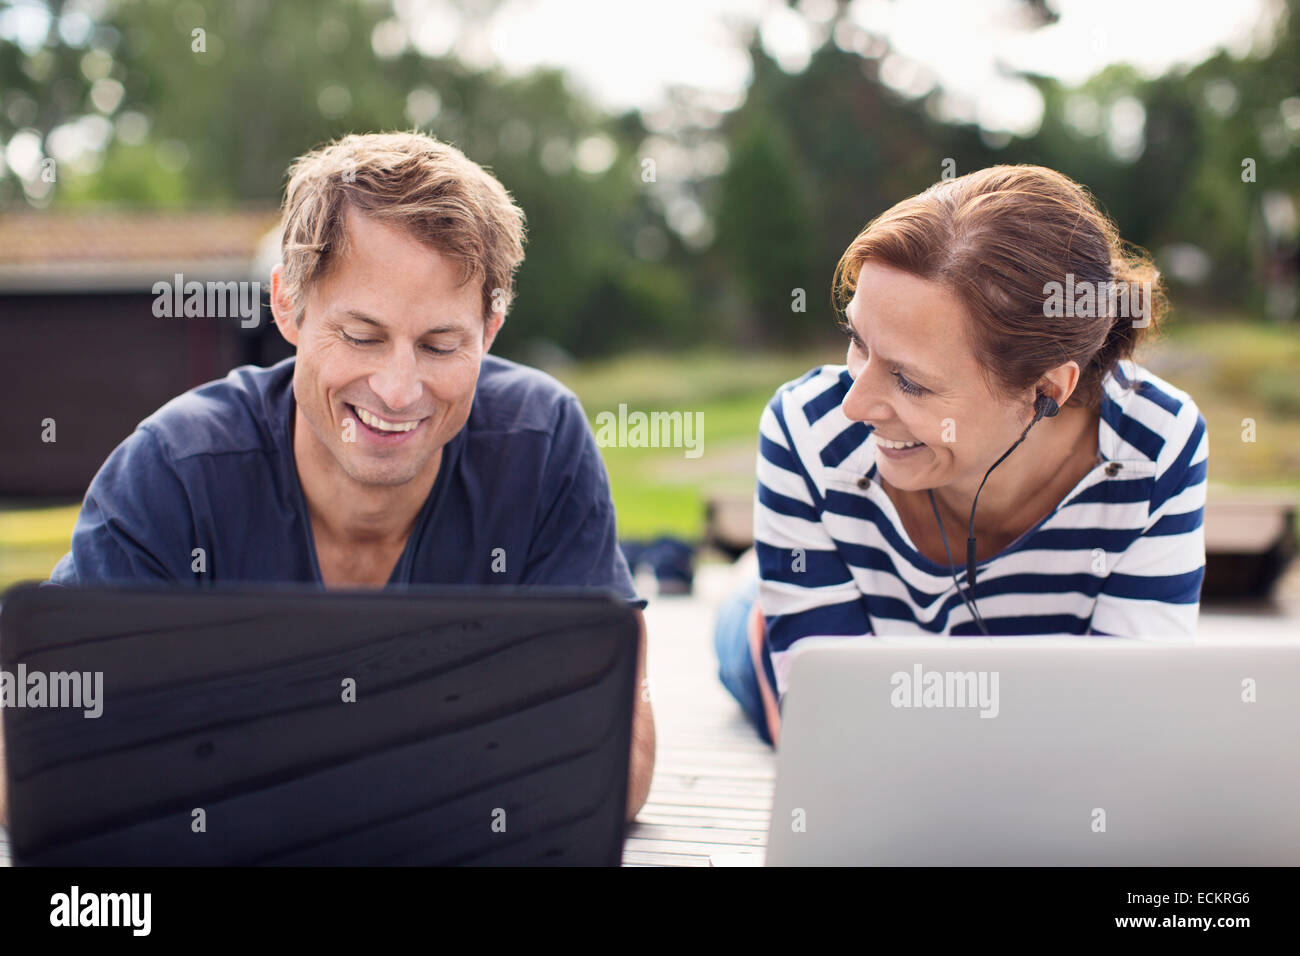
402	569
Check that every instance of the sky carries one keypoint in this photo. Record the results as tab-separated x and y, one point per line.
627	53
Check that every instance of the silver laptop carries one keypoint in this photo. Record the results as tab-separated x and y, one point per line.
1039	752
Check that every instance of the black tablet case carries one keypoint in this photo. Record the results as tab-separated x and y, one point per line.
490	727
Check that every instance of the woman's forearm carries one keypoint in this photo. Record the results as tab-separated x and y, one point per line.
770	708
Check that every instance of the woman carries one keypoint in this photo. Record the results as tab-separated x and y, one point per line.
989	404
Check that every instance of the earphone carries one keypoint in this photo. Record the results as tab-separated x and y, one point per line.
1044	407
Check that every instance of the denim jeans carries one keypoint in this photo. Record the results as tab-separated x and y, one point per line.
735	666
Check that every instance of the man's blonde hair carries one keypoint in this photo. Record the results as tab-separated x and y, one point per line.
429	188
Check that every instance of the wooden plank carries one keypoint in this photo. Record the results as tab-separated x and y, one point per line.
703	771
714	777
668	846
726	801
729	521
753	770
647	858
679	834
1245	526
756	833
753	832
732	817
710	784
691	817
718	759
743	858
733	751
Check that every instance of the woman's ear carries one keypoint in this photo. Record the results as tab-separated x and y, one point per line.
1060	382
282	307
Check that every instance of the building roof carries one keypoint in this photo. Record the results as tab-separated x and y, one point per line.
128	250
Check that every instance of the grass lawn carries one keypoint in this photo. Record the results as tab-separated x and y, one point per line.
32	540
1238	372
661	490
1234	370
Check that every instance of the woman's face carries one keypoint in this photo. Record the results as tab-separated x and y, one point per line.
916	379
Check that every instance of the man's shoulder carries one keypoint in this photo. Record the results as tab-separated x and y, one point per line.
511	397
240	413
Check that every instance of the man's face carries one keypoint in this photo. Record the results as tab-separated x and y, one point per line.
389	351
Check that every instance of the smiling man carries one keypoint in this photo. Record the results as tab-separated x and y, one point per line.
392	449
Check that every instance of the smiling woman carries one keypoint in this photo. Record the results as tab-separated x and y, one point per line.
959	354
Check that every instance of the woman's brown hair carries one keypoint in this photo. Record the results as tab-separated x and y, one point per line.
999	238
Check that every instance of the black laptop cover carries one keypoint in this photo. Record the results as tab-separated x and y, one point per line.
487	726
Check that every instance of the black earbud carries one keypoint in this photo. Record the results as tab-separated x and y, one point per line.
1045	407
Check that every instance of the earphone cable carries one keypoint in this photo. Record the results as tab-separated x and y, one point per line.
952	568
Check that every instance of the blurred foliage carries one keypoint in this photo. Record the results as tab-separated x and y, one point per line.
707	251
224	124
770	243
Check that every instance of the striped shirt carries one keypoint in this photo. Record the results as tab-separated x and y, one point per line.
1122	554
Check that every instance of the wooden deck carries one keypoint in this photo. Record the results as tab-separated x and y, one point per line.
712	788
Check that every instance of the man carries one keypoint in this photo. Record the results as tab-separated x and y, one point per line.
392	449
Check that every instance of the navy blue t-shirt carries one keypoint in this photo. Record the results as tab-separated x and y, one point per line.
521	497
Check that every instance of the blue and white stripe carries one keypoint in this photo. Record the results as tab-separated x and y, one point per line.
1123	553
